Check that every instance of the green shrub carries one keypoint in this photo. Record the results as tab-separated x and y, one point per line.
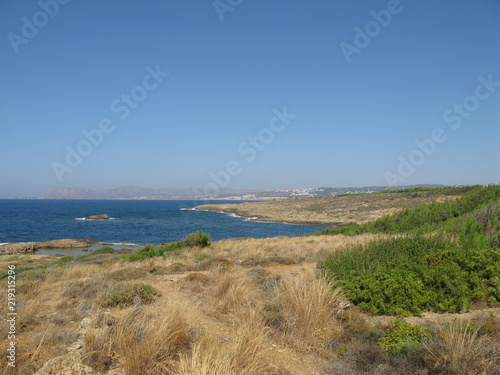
150	251
402	337
147	249
472	235
66	259
101	250
173	246
198	238
14	258
126	294
135	257
104	250
410	275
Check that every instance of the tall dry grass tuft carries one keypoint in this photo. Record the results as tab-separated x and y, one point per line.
460	349
306	305
234	289
144	340
149	342
243	352
206	357
98	349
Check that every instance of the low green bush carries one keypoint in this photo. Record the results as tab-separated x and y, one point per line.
146	249
413	274
174	246
198	238
66	259
101	250
104	250
402	337
128	294
150	251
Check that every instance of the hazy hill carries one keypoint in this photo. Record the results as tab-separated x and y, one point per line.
137	192
127	192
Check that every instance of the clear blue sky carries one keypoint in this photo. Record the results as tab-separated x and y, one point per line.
360	102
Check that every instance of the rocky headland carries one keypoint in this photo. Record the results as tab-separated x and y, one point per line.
337	210
53	244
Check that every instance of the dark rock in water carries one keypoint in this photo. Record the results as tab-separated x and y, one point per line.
98	217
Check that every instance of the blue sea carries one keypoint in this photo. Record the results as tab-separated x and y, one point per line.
133	221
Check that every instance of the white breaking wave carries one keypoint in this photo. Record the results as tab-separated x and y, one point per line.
251	218
4	243
230	214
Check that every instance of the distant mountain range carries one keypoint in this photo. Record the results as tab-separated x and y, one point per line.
137	192
129	192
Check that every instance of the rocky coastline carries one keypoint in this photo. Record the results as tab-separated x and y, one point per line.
335	211
52	244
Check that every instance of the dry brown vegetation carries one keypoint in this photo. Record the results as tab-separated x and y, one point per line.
243	306
335	210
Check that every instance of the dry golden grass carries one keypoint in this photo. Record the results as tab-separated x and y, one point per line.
277	318
307	305
144	340
82	271
309	248
197	277
243	351
234	289
147	343
460	349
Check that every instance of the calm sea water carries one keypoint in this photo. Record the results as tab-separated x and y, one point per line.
134	221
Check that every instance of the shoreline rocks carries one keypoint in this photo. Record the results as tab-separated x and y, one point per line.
53	244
